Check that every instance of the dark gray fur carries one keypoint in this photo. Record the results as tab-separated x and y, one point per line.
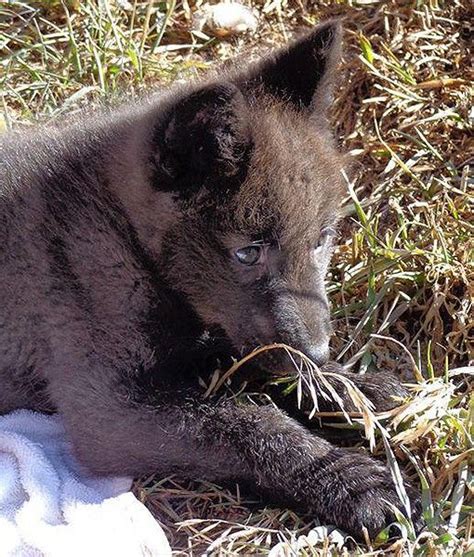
119	285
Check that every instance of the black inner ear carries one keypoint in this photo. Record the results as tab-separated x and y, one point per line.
295	72
204	139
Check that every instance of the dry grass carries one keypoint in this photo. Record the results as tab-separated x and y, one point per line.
401	283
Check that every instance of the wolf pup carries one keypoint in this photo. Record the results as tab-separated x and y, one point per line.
136	244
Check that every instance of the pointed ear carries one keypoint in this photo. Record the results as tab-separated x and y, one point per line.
302	72
203	137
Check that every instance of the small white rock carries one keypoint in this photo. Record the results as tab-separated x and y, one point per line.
124	5
225	19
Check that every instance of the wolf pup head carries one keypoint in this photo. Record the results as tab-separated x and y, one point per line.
256	180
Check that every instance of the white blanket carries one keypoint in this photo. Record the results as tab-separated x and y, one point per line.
50	508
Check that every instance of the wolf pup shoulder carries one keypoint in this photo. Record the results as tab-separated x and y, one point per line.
137	245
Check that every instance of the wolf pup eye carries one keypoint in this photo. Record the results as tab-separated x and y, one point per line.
249	255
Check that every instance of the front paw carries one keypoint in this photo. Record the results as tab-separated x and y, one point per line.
373	509
383	389
356	492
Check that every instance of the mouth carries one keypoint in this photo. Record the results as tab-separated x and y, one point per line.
276	359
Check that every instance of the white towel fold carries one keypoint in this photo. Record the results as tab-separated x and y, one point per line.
50	508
